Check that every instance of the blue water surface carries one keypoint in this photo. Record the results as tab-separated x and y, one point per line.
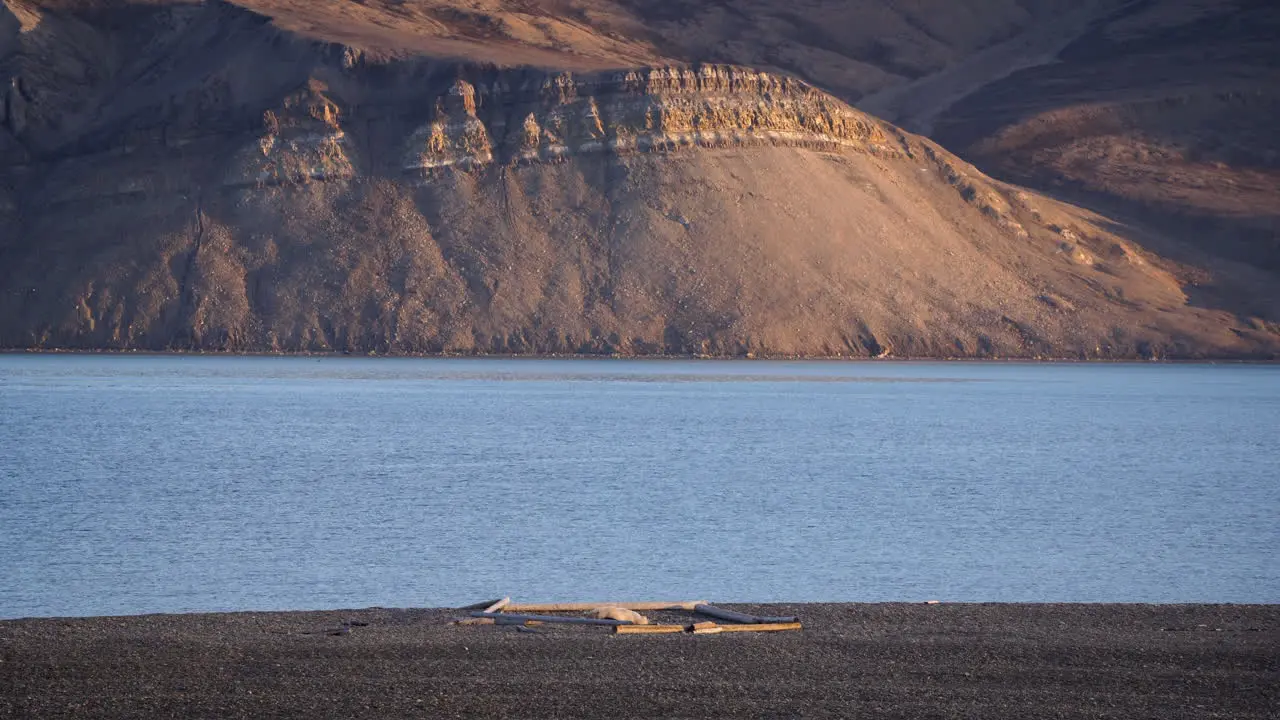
138	484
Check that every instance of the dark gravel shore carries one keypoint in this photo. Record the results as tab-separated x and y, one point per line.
890	660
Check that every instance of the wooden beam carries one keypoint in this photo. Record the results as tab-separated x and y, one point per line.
498	605
705	628
588	606
502	618
496	620
733	616
649	629
762	627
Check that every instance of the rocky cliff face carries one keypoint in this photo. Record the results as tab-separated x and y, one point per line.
197	178
483	119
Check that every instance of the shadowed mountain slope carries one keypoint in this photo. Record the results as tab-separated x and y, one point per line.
1163	116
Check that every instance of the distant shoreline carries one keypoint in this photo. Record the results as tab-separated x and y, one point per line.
586	356
851	659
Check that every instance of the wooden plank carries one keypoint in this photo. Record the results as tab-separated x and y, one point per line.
588	606
649	629
503	617
478	606
705	628
762	627
498	605
733	616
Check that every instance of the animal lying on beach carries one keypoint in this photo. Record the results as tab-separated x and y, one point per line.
617	613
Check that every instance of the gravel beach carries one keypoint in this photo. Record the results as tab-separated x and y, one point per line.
865	660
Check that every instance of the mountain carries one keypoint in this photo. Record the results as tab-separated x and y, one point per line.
593	177
1163	117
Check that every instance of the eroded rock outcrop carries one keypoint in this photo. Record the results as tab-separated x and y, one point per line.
562	115
301	140
454	137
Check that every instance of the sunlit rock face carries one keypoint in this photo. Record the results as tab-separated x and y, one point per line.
547	118
303	139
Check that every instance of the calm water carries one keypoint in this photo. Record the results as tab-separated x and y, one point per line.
162	484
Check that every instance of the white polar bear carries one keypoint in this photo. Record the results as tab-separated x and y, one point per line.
617	613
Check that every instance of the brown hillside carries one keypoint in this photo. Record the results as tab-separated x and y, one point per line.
536	177
1163	116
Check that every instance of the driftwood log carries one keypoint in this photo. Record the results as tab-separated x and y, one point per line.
704	628
762	627
589	606
649	629
733	616
480	605
517	618
495	620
